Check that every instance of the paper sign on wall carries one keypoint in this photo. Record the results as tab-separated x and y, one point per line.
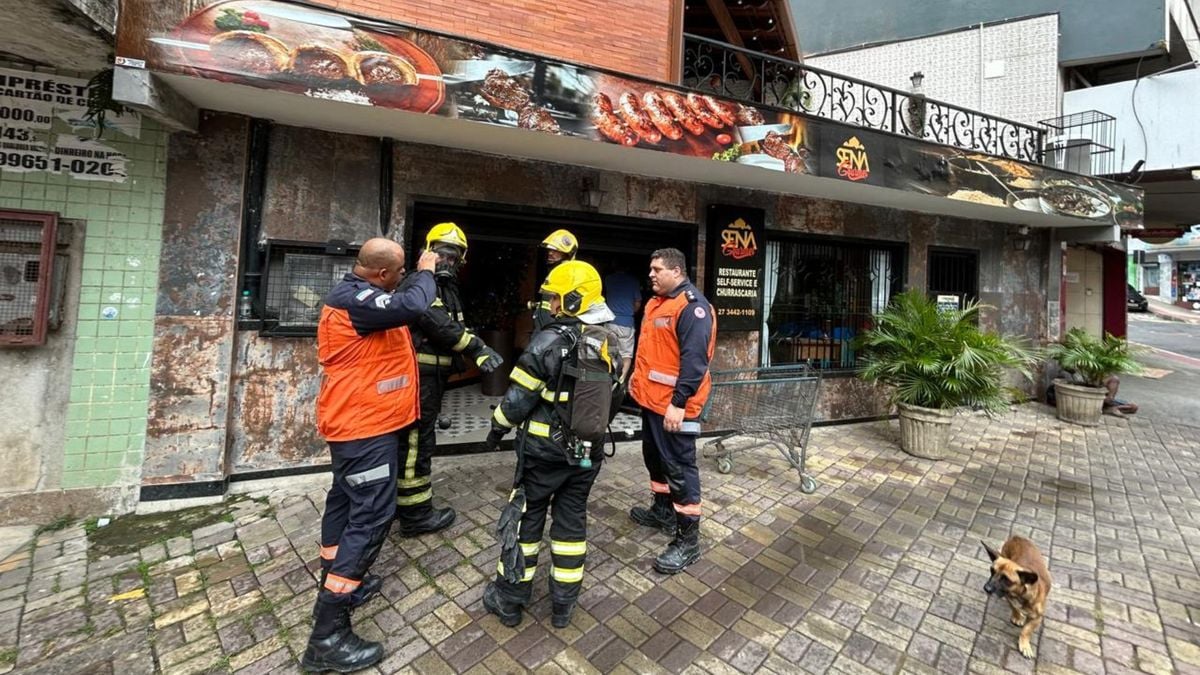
87	159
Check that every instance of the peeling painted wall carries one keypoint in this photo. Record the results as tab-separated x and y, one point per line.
263	417
194	332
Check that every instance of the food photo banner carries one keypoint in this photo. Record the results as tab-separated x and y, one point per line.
320	53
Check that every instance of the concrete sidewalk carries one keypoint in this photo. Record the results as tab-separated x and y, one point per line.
1173	312
879	571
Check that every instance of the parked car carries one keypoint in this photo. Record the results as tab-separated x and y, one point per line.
1137	301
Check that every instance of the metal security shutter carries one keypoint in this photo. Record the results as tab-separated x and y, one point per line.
26	271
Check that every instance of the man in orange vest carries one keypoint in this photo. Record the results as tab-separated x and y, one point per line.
368	397
671	382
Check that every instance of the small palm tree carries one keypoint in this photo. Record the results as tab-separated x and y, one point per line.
1093	359
940	358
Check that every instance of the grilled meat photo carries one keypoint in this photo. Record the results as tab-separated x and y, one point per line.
504	91
705	114
614	128
537	118
776	145
638	119
679	108
661	116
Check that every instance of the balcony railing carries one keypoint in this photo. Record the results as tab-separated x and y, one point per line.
760	79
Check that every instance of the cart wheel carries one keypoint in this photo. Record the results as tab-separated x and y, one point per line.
807	484
724	464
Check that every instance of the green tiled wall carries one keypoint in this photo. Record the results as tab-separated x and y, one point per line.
110	382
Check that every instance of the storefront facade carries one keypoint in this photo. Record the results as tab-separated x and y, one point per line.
797	228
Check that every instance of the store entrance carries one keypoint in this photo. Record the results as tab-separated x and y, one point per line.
505	267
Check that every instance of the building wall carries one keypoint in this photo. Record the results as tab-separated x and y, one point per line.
1009	70
1091	30
249	404
77	417
1166	105
629	36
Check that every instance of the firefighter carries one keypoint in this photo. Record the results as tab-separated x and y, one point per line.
560	246
554	472
671	383
368	397
441	342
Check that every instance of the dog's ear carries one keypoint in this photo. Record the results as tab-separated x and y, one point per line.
1028	578
991	553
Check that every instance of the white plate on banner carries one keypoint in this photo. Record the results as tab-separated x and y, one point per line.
763	161
757	133
475	71
308	16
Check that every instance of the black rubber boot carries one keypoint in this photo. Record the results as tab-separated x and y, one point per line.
561	614
507	611
333	645
660	516
683	550
418	520
371	585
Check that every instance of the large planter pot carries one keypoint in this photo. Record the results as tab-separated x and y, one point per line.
496	382
1078	404
925	432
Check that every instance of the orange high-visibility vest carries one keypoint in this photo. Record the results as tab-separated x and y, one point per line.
656	365
370	382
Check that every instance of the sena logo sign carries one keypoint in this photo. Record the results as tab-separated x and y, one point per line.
737	240
853	163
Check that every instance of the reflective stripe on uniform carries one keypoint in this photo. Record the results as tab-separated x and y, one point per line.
341	584
409	500
527	576
435	360
499	418
526	380
539	429
660	488
567	576
410	460
688	509
568	547
563	396
419	481
462	342
662	378
375	473
531	549
437	302
394	384
329	552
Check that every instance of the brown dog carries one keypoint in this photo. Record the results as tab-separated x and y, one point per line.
1019	575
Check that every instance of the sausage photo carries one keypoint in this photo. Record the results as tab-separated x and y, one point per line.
637	119
679	108
613	128
701	110
726	112
661	117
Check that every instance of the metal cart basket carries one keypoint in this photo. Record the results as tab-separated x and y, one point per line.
774	406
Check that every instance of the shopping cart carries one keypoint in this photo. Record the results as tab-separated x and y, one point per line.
774	406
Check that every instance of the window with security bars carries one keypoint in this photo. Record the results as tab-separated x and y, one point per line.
27	242
298	276
821	294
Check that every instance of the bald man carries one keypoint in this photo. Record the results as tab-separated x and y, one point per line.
368	397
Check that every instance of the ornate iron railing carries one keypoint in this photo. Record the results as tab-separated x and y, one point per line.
760	79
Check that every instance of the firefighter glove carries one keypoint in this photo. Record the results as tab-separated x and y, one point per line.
492	442
488	359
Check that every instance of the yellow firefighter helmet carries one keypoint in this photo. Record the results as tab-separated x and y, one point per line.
577	284
562	241
447	233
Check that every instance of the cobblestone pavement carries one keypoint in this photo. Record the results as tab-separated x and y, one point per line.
880	571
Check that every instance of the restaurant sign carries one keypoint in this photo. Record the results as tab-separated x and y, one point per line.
736	254
318	52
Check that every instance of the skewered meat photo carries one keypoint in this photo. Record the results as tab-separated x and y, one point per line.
504	91
776	145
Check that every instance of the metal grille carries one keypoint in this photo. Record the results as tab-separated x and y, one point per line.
26	257
1082	142
297	280
954	273
824	294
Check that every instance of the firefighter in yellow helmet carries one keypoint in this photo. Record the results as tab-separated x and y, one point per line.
442	343
560	246
545	402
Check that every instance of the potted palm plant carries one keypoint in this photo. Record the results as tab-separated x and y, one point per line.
1091	361
936	361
